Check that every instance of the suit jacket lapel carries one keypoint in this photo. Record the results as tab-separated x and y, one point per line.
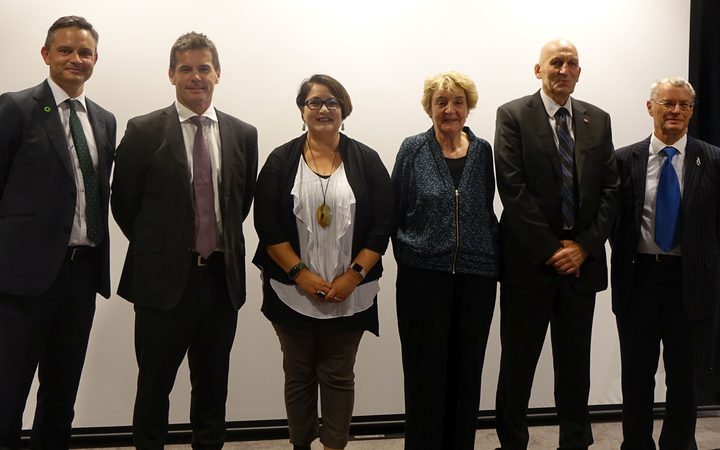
102	144
692	171
545	137
176	148
638	175
228	159
581	129
47	111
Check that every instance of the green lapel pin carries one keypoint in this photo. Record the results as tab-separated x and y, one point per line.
47	109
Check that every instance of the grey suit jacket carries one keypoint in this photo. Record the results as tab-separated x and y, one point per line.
529	183
38	193
700	225
152	203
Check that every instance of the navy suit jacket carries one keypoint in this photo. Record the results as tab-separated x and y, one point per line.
700	225
152	202
38	193
529	182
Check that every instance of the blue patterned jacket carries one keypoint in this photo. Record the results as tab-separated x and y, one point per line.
439	227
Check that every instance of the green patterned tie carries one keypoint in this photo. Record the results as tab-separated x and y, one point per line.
93	211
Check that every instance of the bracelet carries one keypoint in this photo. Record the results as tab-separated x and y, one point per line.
293	273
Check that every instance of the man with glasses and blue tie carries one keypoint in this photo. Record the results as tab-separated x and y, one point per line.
56	152
666	269
183	184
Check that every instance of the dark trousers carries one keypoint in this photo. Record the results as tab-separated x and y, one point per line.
324	359
656	314
48	333
202	325
444	321
525	313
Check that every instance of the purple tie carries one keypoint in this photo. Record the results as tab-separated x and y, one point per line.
205	220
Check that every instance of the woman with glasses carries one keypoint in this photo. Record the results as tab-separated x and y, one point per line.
446	246
323	213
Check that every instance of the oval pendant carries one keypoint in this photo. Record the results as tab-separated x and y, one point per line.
324	215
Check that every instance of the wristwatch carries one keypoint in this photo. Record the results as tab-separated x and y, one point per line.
358	269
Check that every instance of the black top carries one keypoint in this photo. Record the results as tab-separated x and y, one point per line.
456	167
275	223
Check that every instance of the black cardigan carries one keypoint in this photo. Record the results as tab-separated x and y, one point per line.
275	222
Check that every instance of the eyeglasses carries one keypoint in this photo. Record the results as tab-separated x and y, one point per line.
670	105
315	104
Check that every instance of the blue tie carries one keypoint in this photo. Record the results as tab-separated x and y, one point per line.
667	204
566	149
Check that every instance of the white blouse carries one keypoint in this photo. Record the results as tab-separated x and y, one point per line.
326	251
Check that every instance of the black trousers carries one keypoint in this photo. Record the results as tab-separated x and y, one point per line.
525	313
48	333
444	321
202	325
656	314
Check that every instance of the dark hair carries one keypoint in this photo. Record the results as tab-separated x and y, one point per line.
70	22
337	89
193	41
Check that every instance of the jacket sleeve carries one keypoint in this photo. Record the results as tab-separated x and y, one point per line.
251	168
400	183
128	178
381	201
10	136
267	209
594	236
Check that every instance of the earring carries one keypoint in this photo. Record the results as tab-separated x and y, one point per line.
304	127
342	127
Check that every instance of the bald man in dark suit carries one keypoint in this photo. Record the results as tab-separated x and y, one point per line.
56	151
557	179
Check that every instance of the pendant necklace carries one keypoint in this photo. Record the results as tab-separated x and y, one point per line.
324	213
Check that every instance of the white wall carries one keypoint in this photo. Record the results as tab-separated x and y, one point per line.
381	50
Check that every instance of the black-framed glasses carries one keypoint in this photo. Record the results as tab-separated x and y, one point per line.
670	105
315	104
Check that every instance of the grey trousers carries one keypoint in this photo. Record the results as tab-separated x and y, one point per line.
323	359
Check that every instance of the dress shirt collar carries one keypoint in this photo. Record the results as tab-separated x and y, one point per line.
552	107
656	145
60	95
186	113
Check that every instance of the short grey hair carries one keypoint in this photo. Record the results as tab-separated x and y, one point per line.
678	82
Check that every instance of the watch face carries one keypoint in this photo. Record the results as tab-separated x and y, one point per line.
357	268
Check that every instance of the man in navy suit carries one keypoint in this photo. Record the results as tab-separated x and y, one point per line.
56	152
666	269
557	179
183	184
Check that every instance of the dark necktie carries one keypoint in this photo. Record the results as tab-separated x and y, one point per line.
566	150
205	220
667	204
93	210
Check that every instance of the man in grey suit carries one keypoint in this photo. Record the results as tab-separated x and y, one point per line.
183	184
56	152
557	179
666	269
